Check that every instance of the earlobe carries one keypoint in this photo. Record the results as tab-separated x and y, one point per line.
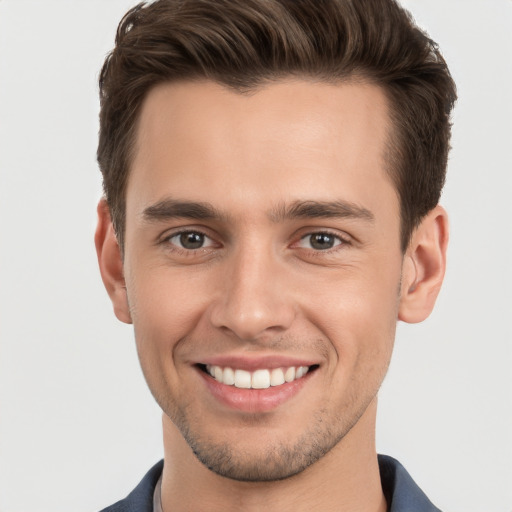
424	267
111	263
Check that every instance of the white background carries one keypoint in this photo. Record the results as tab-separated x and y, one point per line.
78	428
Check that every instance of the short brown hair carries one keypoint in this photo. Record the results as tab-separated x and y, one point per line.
243	44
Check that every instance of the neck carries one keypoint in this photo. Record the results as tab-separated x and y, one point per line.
346	479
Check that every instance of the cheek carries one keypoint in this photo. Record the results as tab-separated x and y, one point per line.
357	312
361	332
165	303
165	309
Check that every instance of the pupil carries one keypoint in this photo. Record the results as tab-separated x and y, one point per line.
322	241
192	240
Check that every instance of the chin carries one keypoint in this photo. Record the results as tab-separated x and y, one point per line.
269	464
267	458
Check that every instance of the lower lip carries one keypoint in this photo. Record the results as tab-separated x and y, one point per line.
254	400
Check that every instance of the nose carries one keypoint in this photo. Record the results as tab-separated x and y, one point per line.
253	298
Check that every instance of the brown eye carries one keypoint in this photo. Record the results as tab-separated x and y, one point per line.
191	240
320	241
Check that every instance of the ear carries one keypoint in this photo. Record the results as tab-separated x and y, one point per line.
423	267
111	263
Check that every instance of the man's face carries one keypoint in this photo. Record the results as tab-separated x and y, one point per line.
262	237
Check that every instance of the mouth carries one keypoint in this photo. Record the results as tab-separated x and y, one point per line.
262	378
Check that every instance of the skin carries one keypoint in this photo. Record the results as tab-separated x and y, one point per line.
258	289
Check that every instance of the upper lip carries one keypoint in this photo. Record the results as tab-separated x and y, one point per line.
251	363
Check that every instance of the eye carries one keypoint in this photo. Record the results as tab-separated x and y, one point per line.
320	241
190	240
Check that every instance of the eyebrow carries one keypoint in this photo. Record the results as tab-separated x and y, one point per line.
321	210
179	209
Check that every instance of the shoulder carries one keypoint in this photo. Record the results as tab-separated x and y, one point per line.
141	498
402	493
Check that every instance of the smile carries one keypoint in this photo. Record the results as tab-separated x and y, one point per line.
258	379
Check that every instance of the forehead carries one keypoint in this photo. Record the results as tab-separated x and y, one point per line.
285	141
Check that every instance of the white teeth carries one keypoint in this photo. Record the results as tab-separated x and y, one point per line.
242	379
229	377
217	373
301	371
289	375
259	379
277	377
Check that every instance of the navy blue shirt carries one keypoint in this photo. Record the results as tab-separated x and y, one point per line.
401	492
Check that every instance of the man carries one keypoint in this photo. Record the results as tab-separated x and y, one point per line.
272	171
